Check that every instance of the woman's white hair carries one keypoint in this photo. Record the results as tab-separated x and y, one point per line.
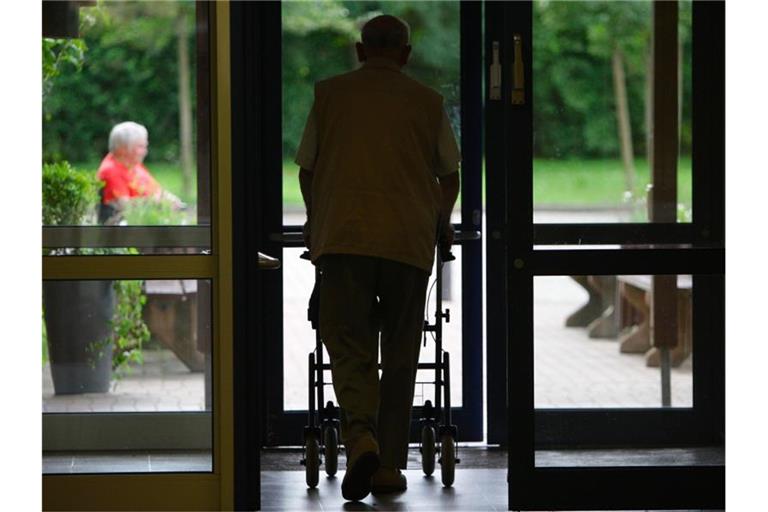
125	134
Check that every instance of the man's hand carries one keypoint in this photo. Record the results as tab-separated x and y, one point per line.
445	236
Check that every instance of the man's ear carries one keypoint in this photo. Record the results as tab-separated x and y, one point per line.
360	52
406	53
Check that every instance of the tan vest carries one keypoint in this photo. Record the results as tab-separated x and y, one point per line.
374	190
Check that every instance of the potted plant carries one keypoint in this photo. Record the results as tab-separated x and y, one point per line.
94	328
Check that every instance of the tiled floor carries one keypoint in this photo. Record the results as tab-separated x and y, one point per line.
162	383
480	482
473	489
130	462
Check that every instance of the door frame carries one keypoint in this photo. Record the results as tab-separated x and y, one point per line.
286	427
174	490
699	250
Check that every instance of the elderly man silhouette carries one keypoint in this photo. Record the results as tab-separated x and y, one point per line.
379	175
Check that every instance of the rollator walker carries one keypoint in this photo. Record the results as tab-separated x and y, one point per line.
438	434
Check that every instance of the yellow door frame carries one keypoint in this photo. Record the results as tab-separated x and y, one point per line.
175	491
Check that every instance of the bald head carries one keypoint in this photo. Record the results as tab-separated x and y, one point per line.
385	32
385	37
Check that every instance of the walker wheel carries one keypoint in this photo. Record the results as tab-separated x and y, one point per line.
428	449
312	460
447	459
331	443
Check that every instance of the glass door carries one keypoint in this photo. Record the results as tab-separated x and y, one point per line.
317	41
137	331
604	129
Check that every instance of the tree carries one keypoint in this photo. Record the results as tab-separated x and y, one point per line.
131	72
318	42
623	28
185	102
56	54
622	119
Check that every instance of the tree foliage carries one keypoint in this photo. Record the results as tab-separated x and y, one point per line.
129	331
57	53
574	103
68	194
319	42
129	71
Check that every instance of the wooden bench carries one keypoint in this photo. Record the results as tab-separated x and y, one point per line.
635	319
171	315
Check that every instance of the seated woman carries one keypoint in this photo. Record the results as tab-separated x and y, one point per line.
123	173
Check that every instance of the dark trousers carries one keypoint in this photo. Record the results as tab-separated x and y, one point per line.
350	320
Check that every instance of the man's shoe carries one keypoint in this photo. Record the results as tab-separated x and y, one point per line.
362	463
387	480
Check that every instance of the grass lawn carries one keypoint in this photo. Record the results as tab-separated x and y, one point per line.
596	182
556	182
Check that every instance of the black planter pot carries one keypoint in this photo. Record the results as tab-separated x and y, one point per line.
77	318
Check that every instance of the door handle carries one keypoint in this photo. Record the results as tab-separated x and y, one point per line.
466	236
518	73
268	262
494	79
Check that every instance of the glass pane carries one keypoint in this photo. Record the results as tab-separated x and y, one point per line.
299	337
592	70
593	340
128	62
127	366
318	42
452	333
158	332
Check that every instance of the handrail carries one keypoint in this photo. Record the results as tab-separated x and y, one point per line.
296	238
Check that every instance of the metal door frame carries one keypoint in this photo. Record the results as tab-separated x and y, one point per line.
286	427
699	251
174	490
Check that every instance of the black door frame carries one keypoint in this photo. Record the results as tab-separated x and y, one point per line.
286	427
699	250
251	60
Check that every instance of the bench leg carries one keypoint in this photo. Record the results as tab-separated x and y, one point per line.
680	352
583	316
638	339
676	357
606	325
